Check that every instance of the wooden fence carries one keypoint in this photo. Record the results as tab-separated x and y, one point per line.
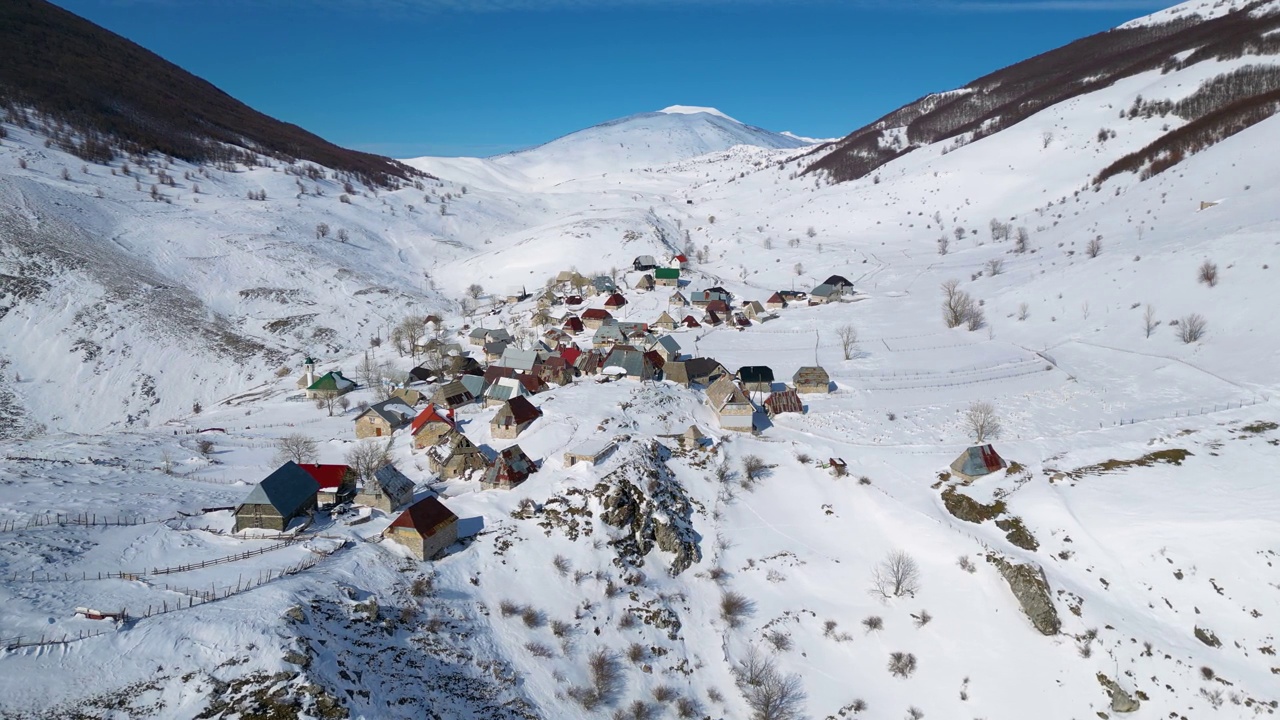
123	575
19	642
80	519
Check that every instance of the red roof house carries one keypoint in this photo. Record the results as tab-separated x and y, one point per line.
615	301
336	481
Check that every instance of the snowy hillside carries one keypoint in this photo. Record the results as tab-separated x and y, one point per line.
1124	565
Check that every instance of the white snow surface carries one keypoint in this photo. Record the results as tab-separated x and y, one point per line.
1143	555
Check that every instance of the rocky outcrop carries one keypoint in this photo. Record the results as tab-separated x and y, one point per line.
1031	589
643	499
1121	700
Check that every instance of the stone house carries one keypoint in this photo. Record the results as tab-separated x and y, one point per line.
732	408
456	457
509	469
513	418
453	395
595	318
427	527
383	418
387	490
812	379
288	493
665	322
430	427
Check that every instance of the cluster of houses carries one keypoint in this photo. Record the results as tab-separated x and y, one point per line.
296	490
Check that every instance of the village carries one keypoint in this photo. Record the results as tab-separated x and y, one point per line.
576	331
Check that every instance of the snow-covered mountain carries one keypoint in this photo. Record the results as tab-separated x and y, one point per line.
640	142
1125	562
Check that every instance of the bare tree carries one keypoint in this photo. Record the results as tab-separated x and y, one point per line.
1208	273
811	232
959	233
205	447
957	305
770	694
1094	248
1149	321
296	447
1046	137
975	318
895	576
343	235
848	335
1024	311
799	269
322	230
329	402
943	244
1020	240
995	266
474	291
412	330
982	422
365	458
1192	328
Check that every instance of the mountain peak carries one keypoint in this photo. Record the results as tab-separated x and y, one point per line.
693	110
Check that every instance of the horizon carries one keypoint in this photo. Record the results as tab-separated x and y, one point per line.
414	78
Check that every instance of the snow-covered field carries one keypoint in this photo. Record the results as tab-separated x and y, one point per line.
120	311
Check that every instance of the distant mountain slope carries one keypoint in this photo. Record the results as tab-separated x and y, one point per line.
115	95
1170	41
640	141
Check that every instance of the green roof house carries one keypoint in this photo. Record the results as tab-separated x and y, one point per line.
669	277
329	385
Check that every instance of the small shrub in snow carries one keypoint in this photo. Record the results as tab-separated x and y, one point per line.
779	640
561	564
715	695
421	586
966	564
803	458
664	693
1207	673
902	664
753	468
533	618
539	650
1192	328
627	621
735	607
914	713
864	480
922	618
637	653
560	628
1208	273
1094	248
508	608
205	447
688	707
873	623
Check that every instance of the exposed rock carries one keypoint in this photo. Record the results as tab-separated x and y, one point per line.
966	508
1031	588
295	614
643	499
293	657
1121	700
1207	637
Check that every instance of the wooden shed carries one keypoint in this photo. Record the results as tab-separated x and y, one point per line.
286	494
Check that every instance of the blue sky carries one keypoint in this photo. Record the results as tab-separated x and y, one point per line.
479	77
